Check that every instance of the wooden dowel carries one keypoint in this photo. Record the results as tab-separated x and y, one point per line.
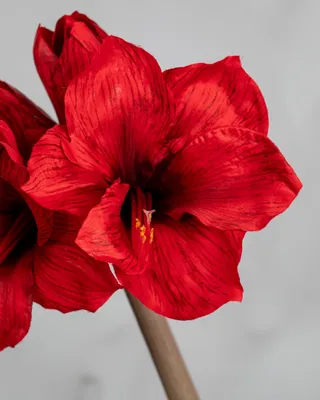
164	351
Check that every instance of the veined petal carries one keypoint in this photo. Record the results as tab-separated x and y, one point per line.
16	285
232	179
43	218
8	141
192	271
65	227
119	112
77	26
210	96
236	240
67	279
103	235
58	183
13	171
61	55
27	121
12	167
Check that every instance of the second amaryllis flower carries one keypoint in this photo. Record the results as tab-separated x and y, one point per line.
39	261
167	167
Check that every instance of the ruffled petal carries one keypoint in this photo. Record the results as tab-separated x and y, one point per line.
12	167
192	271
16	285
9	143
27	121
210	96
13	171
232	179
58	183
103	235
67	279
119	112
61	55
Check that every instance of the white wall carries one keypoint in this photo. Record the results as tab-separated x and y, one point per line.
266	348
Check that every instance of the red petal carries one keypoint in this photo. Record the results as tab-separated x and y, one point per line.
10	201
8	141
16	285
27	121
80	27
236	239
103	235
99	33
210	96
65	227
12	168
15	173
119	112
62	55
43	218
67	279
56	182
192	271
232	179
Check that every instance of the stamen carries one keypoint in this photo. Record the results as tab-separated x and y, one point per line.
151	235
141	217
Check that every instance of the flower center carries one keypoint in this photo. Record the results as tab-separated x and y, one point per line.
142	234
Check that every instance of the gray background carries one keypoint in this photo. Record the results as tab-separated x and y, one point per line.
266	348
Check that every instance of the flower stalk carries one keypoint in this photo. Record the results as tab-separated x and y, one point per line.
165	353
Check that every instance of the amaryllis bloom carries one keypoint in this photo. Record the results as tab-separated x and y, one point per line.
60	55
39	260
170	169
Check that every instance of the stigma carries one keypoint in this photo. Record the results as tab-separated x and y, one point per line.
142	232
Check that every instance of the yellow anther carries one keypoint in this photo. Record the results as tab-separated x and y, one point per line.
143	232
151	235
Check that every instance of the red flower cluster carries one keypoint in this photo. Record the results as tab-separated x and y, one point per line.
158	173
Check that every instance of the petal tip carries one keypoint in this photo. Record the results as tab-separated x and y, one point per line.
233	60
237	295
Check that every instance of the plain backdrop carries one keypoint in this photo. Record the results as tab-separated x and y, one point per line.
266	348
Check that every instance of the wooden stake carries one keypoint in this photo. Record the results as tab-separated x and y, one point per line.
164	351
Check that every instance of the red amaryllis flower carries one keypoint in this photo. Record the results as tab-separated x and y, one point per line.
60	55
166	165
38	258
